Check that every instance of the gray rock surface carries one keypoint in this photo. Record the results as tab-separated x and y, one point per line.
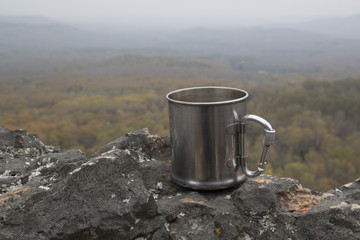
124	192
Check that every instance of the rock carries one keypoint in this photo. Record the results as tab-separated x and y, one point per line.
124	192
19	139
19	151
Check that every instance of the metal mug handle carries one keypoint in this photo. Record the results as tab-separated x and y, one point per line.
268	140
239	128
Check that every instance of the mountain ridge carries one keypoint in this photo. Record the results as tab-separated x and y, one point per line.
343	27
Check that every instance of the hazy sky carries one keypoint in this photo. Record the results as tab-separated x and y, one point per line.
180	13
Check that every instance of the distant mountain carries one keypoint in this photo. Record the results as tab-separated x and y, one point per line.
34	20
265	49
261	41
345	27
39	32
269	50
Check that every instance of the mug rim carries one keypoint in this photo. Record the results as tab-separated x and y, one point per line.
168	97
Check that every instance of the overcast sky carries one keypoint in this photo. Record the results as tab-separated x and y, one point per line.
180	13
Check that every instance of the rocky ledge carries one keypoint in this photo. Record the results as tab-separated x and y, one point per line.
124	192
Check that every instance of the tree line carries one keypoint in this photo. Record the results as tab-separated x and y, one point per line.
317	120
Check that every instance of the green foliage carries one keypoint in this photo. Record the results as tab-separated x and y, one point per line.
318	129
317	121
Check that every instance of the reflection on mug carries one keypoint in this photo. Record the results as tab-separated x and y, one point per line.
208	137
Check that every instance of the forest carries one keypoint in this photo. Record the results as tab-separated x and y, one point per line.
81	107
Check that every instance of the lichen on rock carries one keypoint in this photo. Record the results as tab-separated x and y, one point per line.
124	191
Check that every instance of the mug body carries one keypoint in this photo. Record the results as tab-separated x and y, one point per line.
200	146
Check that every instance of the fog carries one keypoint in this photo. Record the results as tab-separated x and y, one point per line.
180	14
272	35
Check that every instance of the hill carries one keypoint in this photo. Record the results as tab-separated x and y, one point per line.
22	33
345	27
34	43
34	20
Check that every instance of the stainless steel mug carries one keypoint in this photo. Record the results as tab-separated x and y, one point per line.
208	137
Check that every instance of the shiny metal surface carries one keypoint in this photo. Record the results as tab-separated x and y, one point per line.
268	140
204	148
